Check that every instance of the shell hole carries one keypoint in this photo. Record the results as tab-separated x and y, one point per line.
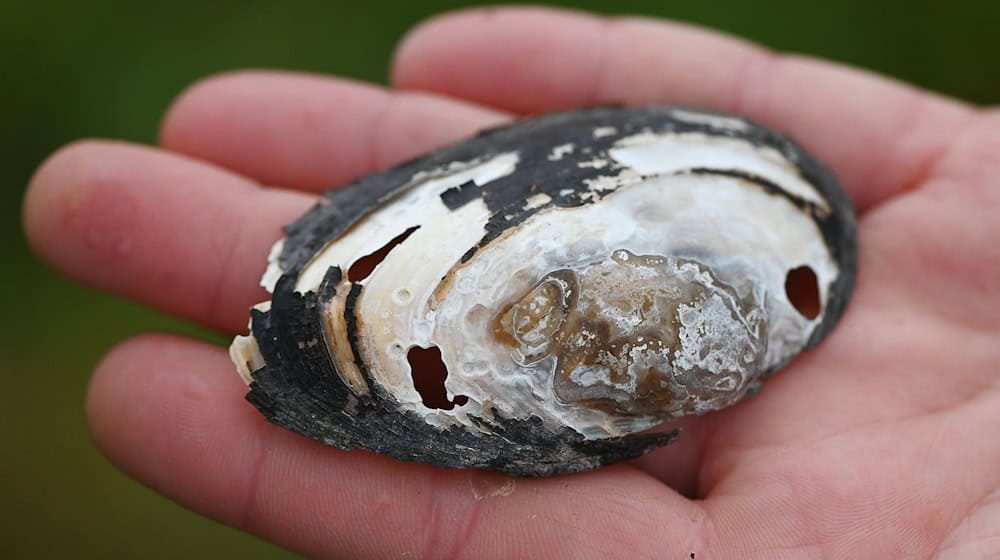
364	266
429	373
802	289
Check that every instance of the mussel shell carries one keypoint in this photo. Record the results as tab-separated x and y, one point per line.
297	381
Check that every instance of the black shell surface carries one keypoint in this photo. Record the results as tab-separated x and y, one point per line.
300	388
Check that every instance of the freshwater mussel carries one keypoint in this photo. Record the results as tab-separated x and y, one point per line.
572	280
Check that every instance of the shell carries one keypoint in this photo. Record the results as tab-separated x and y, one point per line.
579	278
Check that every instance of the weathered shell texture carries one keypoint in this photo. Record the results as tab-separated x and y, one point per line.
585	277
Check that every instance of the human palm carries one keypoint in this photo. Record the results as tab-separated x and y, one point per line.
880	443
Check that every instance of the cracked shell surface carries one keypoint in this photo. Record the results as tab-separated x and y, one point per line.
584	277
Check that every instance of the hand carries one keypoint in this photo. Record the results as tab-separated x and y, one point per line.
881	443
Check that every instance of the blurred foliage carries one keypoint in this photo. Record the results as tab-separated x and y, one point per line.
108	69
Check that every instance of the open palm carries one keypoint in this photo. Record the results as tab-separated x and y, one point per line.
881	443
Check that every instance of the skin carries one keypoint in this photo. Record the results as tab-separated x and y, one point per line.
881	443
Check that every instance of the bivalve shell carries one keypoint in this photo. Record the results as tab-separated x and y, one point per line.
536	298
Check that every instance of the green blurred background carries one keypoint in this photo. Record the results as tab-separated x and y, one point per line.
82	69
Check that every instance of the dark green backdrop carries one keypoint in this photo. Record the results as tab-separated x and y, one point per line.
81	69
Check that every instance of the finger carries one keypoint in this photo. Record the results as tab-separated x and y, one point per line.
880	136
169	412
311	132
182	236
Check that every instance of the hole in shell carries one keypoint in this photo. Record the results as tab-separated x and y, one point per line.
802	289
364	266
429	373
